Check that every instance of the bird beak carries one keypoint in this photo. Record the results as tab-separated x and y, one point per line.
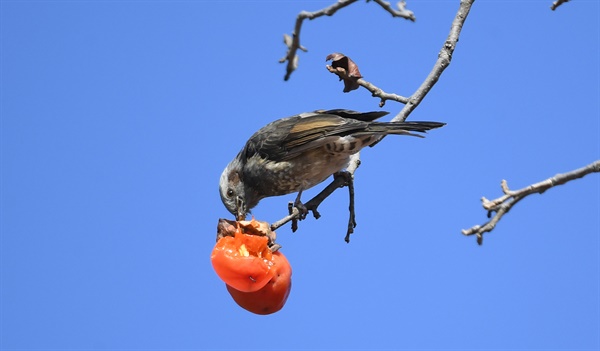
241	208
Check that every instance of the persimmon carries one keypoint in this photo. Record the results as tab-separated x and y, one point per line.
243	261
258	279
272	297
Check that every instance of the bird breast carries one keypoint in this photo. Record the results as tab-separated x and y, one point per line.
273	178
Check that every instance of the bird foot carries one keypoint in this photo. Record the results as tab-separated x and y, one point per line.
346	176
302	213
301	208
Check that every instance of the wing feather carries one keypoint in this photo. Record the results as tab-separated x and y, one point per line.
287	137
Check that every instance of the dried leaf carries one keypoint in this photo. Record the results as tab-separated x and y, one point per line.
226	227
349	70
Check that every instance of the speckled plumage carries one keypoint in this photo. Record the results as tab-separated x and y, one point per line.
296	153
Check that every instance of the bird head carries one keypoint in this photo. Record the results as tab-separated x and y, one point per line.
236	197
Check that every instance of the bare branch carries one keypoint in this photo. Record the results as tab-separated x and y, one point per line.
504	203
375	91
557	3
443	61
401	12
294	44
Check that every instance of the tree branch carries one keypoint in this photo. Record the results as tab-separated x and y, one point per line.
443	61
504	203
293	42
557	3
375	91
401	12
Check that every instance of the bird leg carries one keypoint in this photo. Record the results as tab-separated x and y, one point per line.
340	180
349	182
301	209
300	206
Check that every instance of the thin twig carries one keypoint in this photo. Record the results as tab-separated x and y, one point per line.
443	61
401	12
294	44
557	3
504	203
375	91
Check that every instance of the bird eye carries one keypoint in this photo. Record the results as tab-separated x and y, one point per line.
229	192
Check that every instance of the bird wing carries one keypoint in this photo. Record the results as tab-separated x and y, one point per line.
287	137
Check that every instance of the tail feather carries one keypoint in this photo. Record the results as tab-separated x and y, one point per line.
403	127
360	116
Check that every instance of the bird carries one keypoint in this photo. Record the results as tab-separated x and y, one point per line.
295	153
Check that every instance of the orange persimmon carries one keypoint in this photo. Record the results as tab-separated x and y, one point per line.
273	295
243	261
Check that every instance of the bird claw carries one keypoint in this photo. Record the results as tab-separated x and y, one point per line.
302	212
345	175
316	213
294	220
300	206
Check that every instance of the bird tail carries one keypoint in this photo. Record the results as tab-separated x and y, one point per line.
403	128
360	116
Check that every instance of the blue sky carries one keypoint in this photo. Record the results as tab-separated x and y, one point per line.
119	116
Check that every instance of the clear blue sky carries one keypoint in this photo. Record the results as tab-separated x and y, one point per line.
119	116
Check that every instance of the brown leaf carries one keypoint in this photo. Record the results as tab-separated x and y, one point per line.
349	72
226	227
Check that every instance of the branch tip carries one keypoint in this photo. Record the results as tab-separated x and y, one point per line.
502	205
557	3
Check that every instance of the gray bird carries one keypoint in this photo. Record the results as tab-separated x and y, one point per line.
296	153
